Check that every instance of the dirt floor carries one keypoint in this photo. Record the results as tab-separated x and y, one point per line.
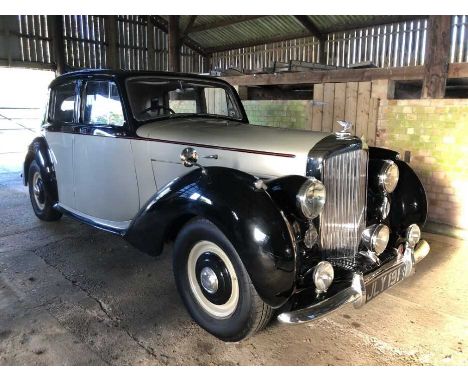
73	295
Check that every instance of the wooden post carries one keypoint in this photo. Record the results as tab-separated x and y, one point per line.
58	44
174	44
112	42
437	57
206	63
151	46
322	55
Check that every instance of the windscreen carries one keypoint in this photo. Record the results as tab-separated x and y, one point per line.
154	98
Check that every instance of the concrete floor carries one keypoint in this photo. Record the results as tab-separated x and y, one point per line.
72	295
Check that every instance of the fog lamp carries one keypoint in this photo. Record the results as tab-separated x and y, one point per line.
385	207
413	235
323	276
310	237
376	237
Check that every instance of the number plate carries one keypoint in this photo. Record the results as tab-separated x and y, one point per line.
385	281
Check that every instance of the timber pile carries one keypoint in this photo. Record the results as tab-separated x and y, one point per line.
276	67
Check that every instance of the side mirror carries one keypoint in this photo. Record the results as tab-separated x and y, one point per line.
189	156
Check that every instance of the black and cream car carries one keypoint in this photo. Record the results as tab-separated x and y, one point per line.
264	220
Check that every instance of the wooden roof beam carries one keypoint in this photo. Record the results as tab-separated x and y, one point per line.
188	28
310	26
405	73
249	43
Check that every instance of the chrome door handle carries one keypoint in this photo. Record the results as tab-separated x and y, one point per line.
213	156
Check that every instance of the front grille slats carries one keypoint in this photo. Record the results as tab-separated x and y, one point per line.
343	218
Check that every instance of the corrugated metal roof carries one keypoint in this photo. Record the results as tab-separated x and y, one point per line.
258	29
215	33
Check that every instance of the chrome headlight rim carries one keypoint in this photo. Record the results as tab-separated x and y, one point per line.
311	207
413	235
384	174
376	237
323	276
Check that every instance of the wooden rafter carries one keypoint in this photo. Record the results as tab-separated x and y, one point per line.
189	27
308	24
249	43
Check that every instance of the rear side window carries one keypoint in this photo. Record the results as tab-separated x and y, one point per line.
102	104
63	103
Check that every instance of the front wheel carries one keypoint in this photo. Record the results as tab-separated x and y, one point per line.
214	285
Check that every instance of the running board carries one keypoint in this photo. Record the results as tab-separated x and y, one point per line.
115	227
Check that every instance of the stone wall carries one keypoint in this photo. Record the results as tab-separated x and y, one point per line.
435	132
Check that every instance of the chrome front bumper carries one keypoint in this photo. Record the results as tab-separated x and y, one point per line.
356	293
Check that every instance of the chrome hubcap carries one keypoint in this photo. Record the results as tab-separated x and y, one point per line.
208	280
212	279
38	190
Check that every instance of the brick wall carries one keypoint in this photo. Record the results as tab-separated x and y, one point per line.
436	134
291	114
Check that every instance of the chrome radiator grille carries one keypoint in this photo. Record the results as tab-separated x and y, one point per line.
344	216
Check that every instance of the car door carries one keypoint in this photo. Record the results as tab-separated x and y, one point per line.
60	125
165	159
104	171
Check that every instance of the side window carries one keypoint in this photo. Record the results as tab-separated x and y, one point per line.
63	103
102	104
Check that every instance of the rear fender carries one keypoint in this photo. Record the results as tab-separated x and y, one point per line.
39	150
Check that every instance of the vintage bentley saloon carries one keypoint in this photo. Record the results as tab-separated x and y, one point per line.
264	220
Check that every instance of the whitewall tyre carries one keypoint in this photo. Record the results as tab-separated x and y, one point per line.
214	285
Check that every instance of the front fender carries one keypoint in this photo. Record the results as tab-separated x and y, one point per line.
246	214
408	200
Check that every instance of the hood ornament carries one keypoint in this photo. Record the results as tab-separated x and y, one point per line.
346	129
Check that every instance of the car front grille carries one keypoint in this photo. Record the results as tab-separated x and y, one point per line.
344	216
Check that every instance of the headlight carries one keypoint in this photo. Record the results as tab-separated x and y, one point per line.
413	235
376	237
311	198
323	276
388	177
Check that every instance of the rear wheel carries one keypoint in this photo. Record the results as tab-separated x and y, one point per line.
40	195
214	285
